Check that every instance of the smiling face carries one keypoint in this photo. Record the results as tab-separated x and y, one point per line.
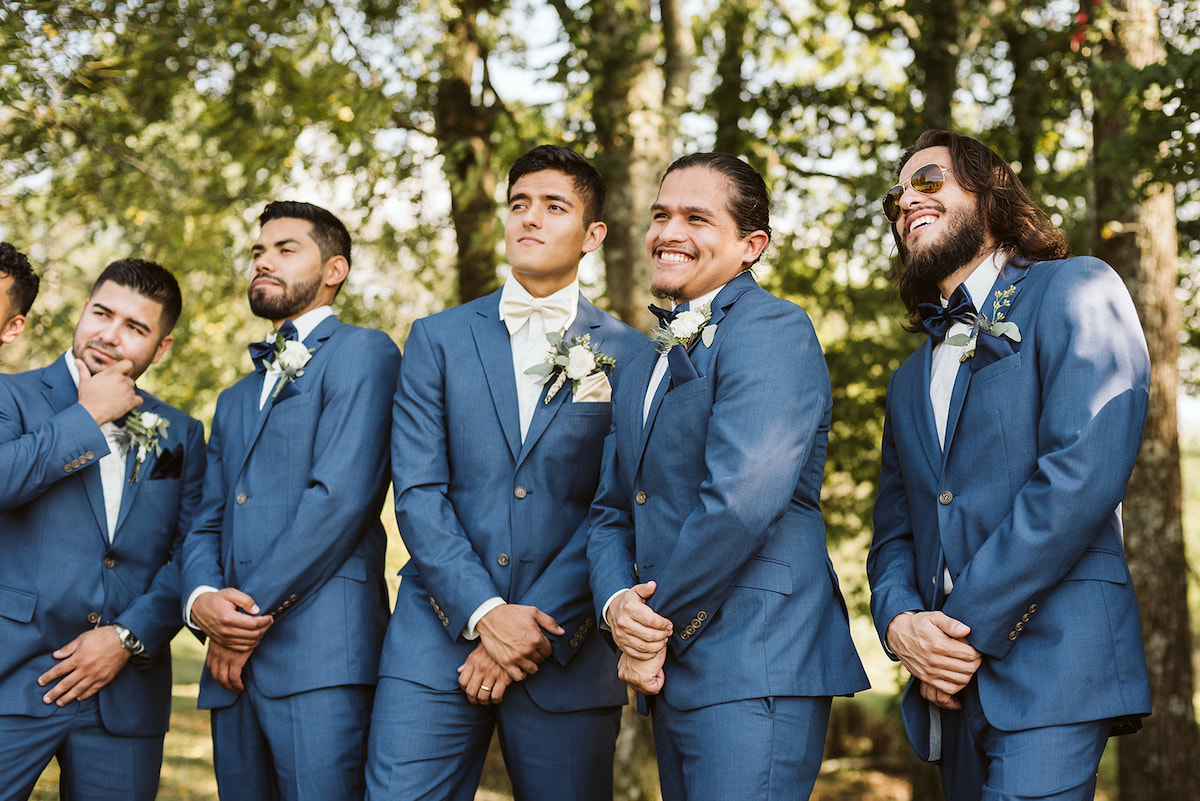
290	277
544	232
120	323
940	234
693	240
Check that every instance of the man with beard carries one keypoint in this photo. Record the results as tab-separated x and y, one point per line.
18	288
707	547
997	569
98	484
283	566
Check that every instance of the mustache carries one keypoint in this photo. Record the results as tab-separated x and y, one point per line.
95	344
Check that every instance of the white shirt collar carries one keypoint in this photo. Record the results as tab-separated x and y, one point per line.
307	322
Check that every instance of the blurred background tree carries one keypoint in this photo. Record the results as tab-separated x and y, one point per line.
160	129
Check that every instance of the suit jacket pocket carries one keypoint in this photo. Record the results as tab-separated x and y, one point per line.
767	574
17	605
1098	565
996	370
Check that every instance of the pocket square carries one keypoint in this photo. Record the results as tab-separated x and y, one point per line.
169	464
593	389
990	349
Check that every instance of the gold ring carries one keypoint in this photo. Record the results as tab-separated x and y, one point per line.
485	688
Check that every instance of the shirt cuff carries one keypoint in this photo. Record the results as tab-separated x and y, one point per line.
604	609
187	608
469	632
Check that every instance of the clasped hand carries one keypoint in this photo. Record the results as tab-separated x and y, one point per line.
512	636
642	635
86	664
934	649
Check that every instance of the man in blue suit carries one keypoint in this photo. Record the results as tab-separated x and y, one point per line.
98	482
997	570
18	288
707	549
283	566
494	471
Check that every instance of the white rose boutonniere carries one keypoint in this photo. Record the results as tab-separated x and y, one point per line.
572	360
996	326
142	431
684	329
290	358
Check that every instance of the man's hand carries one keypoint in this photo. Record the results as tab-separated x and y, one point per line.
932	646
482	678
226	665
636	628
644	675
512	635
230	617
86	664
108	395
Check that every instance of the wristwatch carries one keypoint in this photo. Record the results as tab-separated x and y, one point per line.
129	640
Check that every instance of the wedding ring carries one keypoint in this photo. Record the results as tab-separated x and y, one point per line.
485	688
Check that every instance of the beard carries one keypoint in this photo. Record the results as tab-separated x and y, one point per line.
286	305
962	242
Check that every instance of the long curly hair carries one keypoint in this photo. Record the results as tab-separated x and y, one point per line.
1018	226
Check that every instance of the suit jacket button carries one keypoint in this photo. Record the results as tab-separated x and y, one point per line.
702	615
1019	627
1012	635
946	497
640	497
109	561
502	560
1032	608
67	467
520	492
695	623
1025	618
93	617
89	456
684	635
241	498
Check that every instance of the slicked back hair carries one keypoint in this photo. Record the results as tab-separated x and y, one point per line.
328	232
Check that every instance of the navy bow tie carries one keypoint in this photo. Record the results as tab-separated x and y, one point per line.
264	352
667	316
937	318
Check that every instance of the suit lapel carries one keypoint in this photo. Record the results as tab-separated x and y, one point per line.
1012	274
60	392
313	341
495	355
923	410
587	321
130	491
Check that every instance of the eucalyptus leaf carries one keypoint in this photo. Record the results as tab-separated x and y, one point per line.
958	340
707	335
1006	329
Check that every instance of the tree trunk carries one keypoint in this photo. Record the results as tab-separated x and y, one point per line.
636	110
464	134
1137	236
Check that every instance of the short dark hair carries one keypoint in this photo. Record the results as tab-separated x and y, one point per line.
584	177
24	287
748	203
150	280
328	232
1017	224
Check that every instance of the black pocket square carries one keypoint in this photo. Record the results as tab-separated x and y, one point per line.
168	465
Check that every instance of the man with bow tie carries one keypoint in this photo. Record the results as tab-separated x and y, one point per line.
495	458
997	570
98	484
283	566
707	549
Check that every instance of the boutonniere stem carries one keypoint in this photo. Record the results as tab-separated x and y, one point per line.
290	359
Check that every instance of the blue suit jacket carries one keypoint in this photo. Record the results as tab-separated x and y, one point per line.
290	515
1022	506
485	515
718	500
59	575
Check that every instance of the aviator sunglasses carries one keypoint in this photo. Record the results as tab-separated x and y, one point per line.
928	180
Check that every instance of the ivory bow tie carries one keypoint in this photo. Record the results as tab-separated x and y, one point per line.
515	309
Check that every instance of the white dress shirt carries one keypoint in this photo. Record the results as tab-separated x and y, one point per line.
305	324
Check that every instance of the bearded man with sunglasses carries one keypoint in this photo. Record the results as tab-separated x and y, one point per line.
997	569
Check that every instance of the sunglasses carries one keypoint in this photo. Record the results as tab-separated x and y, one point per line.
928	180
